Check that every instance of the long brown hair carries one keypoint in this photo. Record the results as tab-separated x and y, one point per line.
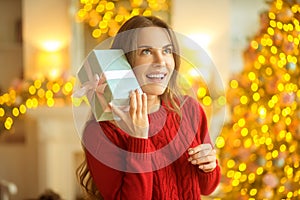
126	40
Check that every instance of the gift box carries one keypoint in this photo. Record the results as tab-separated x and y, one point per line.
119	82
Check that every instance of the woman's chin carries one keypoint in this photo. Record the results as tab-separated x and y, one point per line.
154	89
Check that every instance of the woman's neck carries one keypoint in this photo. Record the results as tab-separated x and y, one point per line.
153	103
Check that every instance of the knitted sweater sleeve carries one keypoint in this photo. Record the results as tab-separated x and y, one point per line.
118	163
207	181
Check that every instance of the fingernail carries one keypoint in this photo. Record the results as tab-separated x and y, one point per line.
194	162
191	152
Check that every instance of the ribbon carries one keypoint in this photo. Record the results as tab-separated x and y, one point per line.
95	85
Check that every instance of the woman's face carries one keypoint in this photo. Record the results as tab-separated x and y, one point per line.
154	62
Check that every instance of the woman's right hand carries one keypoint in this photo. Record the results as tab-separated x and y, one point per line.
135	122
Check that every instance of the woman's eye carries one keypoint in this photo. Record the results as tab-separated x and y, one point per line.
146	51
168	51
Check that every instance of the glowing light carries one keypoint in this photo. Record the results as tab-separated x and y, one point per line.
52	46
201	92
15	112
2	112
234	84
220	142
207	100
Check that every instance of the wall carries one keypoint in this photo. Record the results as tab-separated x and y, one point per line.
11	59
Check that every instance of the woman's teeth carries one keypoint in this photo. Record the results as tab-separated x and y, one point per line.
156	76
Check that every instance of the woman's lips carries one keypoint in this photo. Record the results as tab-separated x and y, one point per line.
156	77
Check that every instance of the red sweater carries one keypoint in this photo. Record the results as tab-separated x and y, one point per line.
128	168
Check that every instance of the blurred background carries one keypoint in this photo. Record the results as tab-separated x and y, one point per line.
43	44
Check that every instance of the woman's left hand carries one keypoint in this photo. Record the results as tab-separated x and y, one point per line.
204	156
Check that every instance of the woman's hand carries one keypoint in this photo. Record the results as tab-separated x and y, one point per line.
204	156
135	122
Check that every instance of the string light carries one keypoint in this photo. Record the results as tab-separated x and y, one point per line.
30	95
106	17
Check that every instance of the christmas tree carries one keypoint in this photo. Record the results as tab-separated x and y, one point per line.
259	149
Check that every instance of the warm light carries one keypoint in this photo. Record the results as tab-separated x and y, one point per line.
52	46
204	40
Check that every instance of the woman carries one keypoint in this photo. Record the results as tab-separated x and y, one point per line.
161	147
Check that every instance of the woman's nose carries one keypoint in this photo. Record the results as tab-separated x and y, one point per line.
159	58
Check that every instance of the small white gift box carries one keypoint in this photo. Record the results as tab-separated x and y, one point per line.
120	80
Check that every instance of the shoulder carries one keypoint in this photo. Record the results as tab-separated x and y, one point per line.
189	104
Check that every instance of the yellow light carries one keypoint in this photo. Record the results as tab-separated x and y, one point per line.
254	44
282	148
241	122
201	92
32	90
234	84
100	8
35	103
50	102
244	99
251	76
248	143
273	23
68	88
96	33
253	192
242	167
270	31
222	100
269	71
230	173
41	93
15	112
110	6
256	96
254	87
280	87
2	112
119	18
251	178
275	154
272	15
235	183
220	142
262	111
281	189
147	13
244	132
55	88
288	137
261	59
289	195
207	101
29	103
287	77
230	163
259	170
22	109
8	123
88	7
37	84
264	128
49	94
279	25
274	50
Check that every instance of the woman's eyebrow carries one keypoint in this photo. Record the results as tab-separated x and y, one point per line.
147	46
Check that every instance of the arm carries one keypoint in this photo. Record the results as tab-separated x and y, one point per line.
108	165
202	155
123	174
